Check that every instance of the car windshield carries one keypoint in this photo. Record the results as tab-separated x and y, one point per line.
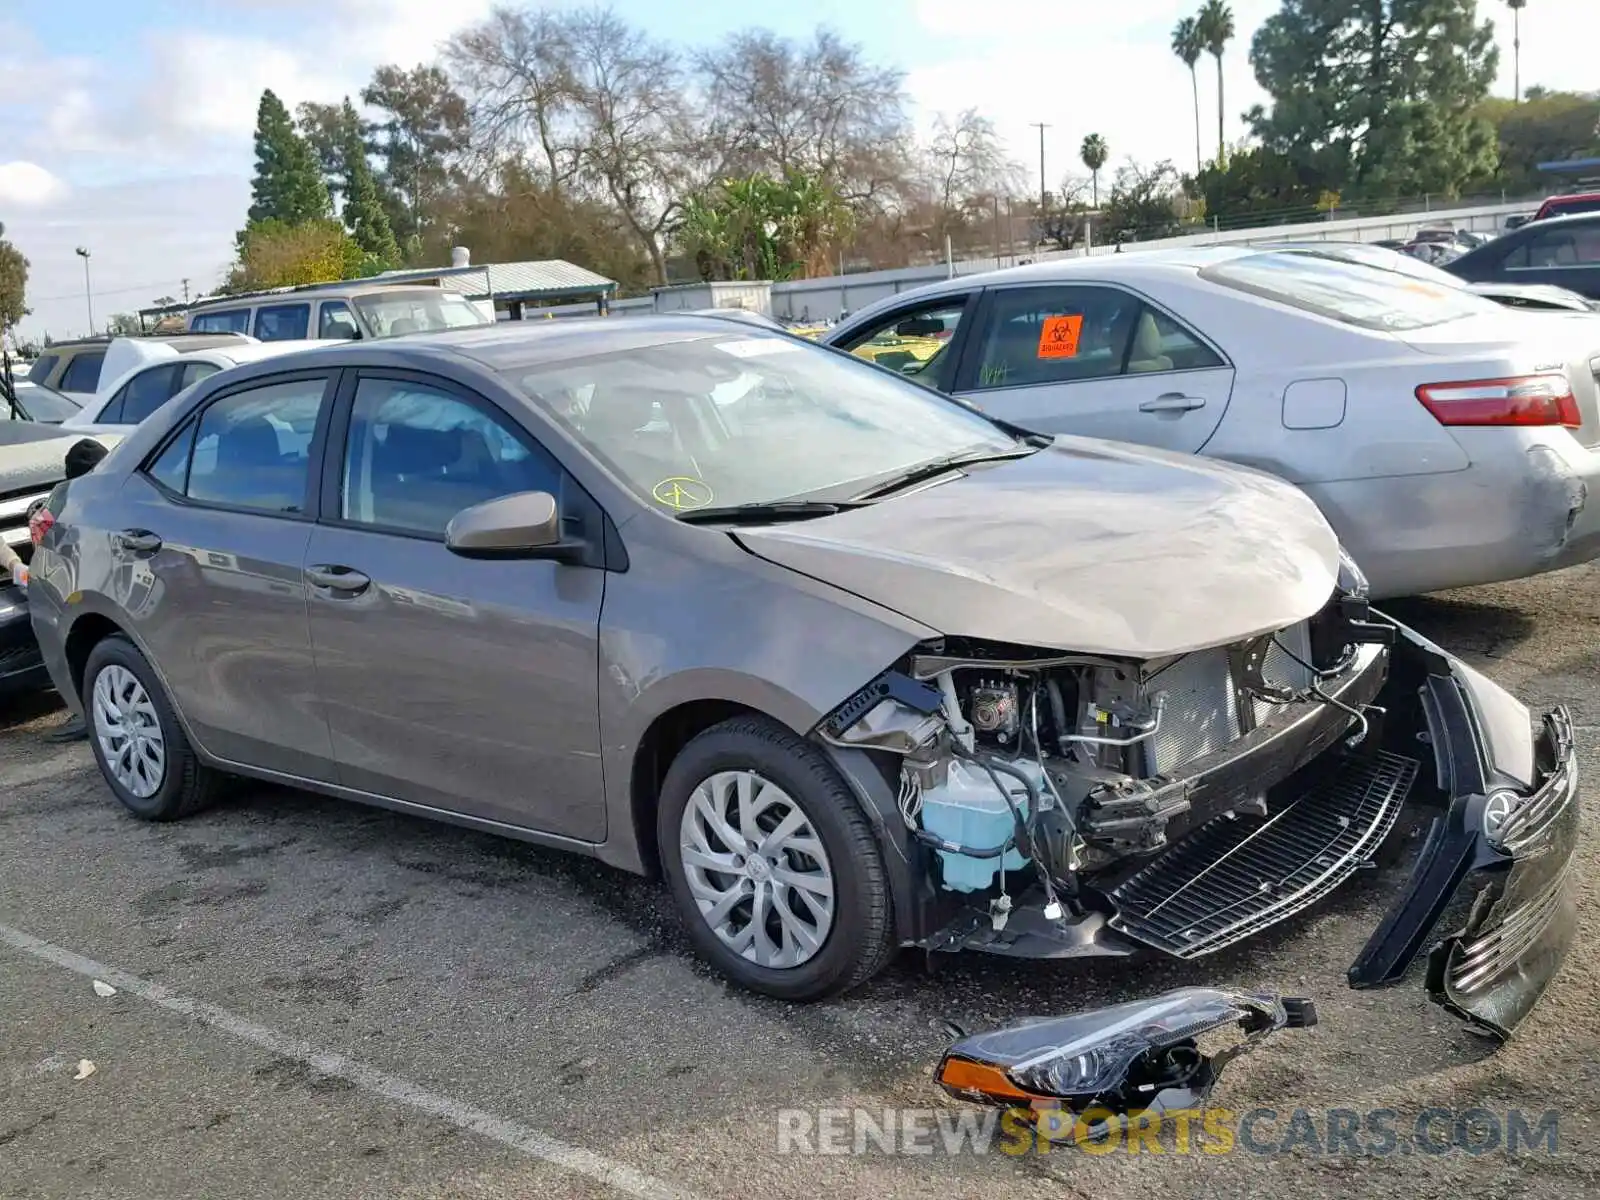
418	312
1355	295
751	418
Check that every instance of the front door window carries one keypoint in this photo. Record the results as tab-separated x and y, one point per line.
916	342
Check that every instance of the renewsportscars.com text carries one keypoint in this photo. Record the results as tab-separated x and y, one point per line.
1376	1133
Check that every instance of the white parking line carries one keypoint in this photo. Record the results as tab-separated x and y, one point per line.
513	1134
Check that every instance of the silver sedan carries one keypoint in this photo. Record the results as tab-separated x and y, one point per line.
1450	441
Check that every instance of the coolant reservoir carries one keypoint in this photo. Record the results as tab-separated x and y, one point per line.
968	809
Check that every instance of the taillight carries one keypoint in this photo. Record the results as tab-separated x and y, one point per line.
39	524
1522	400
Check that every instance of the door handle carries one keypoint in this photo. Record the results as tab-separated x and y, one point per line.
1173	402
137	541
337	579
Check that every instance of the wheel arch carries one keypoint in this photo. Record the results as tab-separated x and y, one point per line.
862	776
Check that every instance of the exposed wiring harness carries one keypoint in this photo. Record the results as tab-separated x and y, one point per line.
1313	691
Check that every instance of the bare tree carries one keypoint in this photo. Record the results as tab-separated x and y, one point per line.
634	125
515	69
969	159
774	105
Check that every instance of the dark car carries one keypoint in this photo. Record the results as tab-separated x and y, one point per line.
853	666
33	460
1564	251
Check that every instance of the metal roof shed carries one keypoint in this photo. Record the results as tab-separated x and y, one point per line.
513	285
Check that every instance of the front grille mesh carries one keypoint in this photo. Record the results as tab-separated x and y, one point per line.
1236	875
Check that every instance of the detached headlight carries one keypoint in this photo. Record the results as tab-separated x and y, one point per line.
1122	1057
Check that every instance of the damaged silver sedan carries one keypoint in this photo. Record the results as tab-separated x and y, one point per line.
853	666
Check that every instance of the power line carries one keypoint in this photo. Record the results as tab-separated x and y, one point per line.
141	287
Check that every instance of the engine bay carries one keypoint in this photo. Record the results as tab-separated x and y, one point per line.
1017	767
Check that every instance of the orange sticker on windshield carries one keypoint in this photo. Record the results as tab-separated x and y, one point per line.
1059	337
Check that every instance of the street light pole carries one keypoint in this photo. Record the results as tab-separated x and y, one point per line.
1041	127
88	296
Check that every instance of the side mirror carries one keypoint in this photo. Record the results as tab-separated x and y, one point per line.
521	525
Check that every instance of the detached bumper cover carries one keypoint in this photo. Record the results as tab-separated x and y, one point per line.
1521	925
1511	841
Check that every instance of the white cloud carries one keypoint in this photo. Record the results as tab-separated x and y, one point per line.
145	238
28	185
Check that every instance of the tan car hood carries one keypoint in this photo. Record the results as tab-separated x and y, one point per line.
1089	545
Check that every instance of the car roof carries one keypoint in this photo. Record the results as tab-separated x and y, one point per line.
523	345
1132	266
316	291
249	352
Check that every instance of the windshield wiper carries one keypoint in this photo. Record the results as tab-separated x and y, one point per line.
936	468
763	512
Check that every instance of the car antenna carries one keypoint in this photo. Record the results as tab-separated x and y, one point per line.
9	385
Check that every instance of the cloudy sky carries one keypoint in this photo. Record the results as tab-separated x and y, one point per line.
125	127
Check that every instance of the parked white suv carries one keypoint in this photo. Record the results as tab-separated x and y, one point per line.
338	311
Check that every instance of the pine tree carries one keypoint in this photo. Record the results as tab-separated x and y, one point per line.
364	214
288	184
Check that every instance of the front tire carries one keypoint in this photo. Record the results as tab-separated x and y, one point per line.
774	868
137	740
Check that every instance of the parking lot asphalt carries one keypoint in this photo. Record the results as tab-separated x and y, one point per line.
320	999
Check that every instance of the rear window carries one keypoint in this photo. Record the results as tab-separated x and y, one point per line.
83	372
1345	292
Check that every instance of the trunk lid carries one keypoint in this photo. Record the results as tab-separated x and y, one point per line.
1509	342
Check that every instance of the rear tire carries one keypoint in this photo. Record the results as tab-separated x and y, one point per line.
775	870
137	740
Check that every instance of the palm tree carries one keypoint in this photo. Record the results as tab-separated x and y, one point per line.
1094	153
1187	45
1215	23
1516	7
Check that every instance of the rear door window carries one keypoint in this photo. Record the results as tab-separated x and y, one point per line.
83	372
229	320
249	450
1059	335
282	322
42	366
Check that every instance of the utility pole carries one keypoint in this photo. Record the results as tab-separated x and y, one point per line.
1516	48
1041	127
88	296
186	291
